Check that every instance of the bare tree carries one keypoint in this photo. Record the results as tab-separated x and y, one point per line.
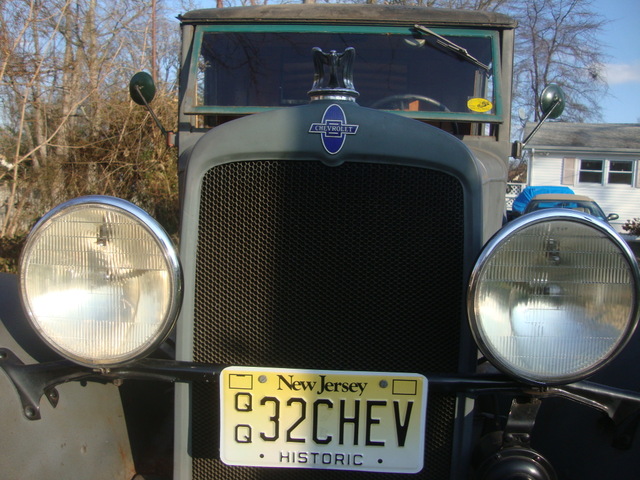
27	67
67	125
557	42
487	5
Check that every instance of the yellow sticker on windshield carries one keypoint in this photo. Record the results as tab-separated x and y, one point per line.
480	105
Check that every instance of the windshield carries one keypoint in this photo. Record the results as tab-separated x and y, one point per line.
405	72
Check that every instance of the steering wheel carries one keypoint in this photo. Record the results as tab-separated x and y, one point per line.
403	100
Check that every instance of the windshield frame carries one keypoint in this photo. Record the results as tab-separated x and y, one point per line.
189	101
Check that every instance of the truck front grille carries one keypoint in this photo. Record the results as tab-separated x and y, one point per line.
301	265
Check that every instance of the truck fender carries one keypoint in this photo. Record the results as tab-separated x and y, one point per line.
84	436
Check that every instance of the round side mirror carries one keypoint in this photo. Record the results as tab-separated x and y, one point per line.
141	88
552	101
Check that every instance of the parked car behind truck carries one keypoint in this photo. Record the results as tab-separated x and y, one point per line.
344	302
579	203
523	198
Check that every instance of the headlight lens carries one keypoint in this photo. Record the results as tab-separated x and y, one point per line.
100	281
553	297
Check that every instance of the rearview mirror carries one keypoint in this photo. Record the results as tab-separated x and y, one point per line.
142	89
552	105
552	101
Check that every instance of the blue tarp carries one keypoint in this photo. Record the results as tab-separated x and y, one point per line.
521	201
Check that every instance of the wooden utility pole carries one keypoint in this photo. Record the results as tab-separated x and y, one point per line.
154	49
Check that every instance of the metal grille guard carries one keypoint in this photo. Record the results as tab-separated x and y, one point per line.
35	380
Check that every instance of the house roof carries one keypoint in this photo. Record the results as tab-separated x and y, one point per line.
585	136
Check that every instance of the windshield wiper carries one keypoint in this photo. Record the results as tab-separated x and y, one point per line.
449	45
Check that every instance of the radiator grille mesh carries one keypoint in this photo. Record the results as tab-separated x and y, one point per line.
301	265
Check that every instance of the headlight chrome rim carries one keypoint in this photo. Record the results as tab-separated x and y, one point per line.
495	244
156	234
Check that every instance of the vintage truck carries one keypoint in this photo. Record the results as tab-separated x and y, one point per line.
345	301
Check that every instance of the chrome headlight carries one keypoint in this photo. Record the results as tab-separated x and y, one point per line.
553	296
100	281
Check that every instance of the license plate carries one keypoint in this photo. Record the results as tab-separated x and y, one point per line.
361	421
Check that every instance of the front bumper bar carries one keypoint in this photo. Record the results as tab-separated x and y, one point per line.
40	379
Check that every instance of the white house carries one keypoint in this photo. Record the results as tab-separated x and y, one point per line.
601	161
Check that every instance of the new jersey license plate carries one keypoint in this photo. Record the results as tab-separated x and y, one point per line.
373	422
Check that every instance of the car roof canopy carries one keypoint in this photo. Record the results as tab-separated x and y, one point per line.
549	197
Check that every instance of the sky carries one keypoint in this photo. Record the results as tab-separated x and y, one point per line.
621	39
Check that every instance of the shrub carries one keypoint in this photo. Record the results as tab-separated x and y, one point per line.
10	253
632	226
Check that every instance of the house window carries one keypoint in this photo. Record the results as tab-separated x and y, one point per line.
591	171
620	172
604	172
